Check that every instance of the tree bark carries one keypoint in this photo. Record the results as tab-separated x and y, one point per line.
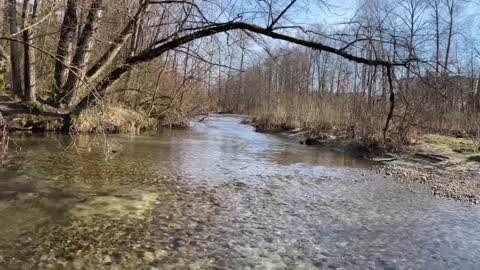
14	49
83	51
65	45
436	10
451	10
3	18
392	101
477	96
107	58
29	54
3	69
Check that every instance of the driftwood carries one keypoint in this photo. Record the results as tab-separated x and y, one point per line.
433	158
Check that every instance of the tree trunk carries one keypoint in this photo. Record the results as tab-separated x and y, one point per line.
451	11
435	6
107	58
3	18
390	74
83	51
29	54
65	45
3	69
477	96
14	49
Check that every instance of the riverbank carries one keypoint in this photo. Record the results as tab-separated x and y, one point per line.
445	166
20	116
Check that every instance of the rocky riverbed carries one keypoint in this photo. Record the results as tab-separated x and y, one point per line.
448	174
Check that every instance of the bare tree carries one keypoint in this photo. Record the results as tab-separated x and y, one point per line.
83	51
29	53
14	49
435	6
452	7
65	45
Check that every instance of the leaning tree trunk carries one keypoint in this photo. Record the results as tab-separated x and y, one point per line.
14	49
83	52
65	45
128	31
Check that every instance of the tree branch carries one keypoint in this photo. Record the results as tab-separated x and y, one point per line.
156	52
270	27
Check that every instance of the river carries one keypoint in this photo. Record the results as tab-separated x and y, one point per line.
218	196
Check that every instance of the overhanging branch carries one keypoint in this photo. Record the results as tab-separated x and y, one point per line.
153	53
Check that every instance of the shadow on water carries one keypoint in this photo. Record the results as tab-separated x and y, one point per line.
218	196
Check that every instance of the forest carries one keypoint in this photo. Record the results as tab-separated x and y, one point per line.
385	70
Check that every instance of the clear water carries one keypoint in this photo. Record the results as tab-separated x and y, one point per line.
218	196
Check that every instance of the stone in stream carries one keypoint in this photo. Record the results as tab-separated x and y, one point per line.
107	260
159	254
311	141
148	256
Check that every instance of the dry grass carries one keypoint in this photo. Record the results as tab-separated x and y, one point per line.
109	119
173	119
311	112
337	114
320	113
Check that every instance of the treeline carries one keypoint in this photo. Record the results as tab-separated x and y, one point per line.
437	92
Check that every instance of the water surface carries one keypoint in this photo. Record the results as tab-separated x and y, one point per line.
218	196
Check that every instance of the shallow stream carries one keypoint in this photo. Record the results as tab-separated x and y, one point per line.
218	196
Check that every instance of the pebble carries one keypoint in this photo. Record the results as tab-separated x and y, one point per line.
107	260
78	264
148	256
161	254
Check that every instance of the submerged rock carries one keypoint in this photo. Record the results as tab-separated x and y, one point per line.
149	256
159	254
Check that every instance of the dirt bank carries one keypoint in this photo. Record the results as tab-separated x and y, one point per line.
448	167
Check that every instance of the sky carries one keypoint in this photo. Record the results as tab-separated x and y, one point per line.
308	12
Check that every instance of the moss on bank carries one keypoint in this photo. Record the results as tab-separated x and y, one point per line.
460	145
